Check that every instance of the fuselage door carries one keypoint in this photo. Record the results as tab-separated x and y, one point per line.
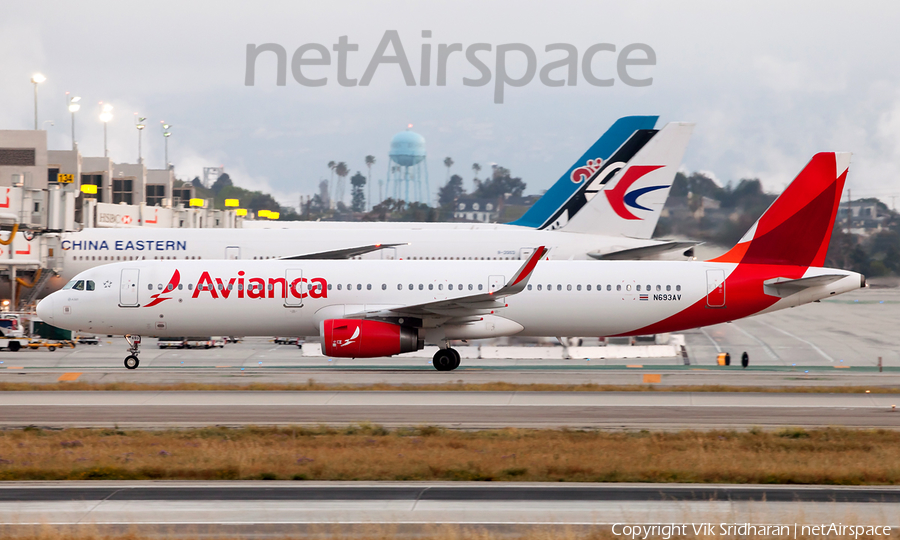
389	254
128	287
295	287
715	288
232	253
524	253
495	283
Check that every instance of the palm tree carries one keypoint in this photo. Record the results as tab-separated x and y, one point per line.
342	171
370	160
448	162
331	165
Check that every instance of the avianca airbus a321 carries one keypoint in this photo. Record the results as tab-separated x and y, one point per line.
379	308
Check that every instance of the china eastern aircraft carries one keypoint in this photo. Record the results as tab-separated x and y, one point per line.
380	308
634	180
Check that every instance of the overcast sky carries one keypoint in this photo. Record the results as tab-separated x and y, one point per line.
768	84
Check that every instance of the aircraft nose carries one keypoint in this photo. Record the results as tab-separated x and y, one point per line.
45	309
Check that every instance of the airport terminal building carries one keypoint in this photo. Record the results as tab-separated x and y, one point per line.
44	193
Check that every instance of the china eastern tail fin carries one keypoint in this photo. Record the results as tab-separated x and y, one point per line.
796	229
628	200
542	212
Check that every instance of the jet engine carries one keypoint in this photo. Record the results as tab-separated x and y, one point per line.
355	338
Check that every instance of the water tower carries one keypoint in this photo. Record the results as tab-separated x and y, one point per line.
408	168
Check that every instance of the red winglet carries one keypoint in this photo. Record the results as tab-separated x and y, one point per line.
529	266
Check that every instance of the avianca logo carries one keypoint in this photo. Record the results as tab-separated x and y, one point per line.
346	342
257	287
619	197
581	174
173	283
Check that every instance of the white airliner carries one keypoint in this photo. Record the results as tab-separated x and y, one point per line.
379	308
635	181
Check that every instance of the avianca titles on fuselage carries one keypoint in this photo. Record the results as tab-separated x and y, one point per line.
777	264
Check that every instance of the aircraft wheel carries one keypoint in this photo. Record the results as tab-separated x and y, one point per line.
51	349
132	362
14	346
445	360
456	359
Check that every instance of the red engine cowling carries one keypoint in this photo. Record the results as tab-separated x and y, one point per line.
354	338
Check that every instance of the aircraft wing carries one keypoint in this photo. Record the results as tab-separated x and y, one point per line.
344	253
462	306
643	252
783	287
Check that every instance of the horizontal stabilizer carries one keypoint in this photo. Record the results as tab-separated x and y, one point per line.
783	287
644	252
344	253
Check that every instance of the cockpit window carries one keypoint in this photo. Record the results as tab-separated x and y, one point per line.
70	284
79	286
90	285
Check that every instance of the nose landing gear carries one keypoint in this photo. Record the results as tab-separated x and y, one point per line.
446	359
134	345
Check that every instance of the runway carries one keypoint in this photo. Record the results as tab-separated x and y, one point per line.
224	506
462	410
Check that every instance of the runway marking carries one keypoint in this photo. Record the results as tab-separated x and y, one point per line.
634	366
69	376
798	338
651	378
709	337
764	345
15	367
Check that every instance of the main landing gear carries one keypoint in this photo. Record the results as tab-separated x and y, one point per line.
134	345
446	359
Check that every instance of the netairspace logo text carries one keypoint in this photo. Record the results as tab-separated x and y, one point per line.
311	64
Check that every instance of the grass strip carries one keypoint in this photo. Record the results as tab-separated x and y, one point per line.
371	452
312	386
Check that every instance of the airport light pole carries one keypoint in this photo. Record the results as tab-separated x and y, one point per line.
166	135
37	79
73	108
139	124
105	117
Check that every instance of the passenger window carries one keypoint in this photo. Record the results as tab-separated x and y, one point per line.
449	286
638	287
677	287
459	286
383	286
149	286
658	288
410	286
618	287
349	286
399	287
559	287
440	286
369	287
169	287
628	287
431	286
609	288
339	286
180	286
190	286
668	288
648	288
480	286
589	287
578	288
539	287
359	286
329	286
421	287
471	287
529	287
569	287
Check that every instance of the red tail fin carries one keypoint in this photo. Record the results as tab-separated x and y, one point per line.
796	229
